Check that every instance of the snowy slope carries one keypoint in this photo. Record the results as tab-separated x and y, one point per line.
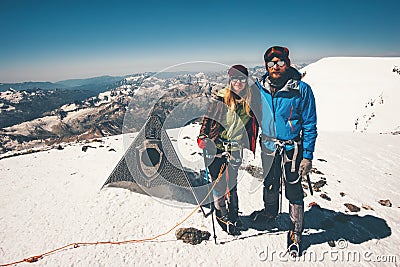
345	87
50	199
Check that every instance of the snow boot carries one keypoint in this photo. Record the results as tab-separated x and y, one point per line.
233	216
294	244
227	225
233	208
271	206
296	213
262	217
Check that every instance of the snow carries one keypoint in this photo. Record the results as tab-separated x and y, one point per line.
25	128
54	198
78	113
69	107
344	86
9	108
11	95
145	90
135	78
104	95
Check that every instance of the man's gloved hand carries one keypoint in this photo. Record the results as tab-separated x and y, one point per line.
305	167
201	141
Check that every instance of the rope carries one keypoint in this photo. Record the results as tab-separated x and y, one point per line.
227	223
78	244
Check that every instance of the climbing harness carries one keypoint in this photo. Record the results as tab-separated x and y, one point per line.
280	150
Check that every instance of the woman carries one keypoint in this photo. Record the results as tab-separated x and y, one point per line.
229	126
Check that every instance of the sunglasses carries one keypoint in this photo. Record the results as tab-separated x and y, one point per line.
240	78
280	63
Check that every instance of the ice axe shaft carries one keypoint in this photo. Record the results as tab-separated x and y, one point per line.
309	184
205	153
213	225
211	210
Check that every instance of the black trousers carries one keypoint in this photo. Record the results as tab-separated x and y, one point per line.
272	171
228	180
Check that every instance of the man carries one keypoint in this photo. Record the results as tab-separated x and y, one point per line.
289	132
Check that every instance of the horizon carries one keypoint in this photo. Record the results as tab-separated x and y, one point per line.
181	70
84	39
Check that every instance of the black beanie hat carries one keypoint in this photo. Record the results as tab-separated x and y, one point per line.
237	70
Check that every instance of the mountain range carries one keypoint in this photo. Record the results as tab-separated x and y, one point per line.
92	84
38	118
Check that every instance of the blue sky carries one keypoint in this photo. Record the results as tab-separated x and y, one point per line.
53	40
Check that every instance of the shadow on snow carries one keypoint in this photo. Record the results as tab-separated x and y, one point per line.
329	225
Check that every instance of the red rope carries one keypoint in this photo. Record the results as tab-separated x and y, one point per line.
76	245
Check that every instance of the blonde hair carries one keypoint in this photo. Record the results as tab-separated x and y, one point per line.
231	102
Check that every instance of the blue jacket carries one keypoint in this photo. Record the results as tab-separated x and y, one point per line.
289	115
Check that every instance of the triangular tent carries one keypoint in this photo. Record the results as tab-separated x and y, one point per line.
151	166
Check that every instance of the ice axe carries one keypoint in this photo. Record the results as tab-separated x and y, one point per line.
205	153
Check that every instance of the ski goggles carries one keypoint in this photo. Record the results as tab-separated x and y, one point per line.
278	51
280	63
242	79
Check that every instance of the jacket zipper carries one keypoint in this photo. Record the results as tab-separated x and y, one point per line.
273	106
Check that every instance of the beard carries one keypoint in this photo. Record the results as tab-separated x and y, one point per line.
278	80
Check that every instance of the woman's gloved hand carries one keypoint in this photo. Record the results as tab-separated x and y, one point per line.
202	141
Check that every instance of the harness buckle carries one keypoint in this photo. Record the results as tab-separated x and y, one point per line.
230	147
